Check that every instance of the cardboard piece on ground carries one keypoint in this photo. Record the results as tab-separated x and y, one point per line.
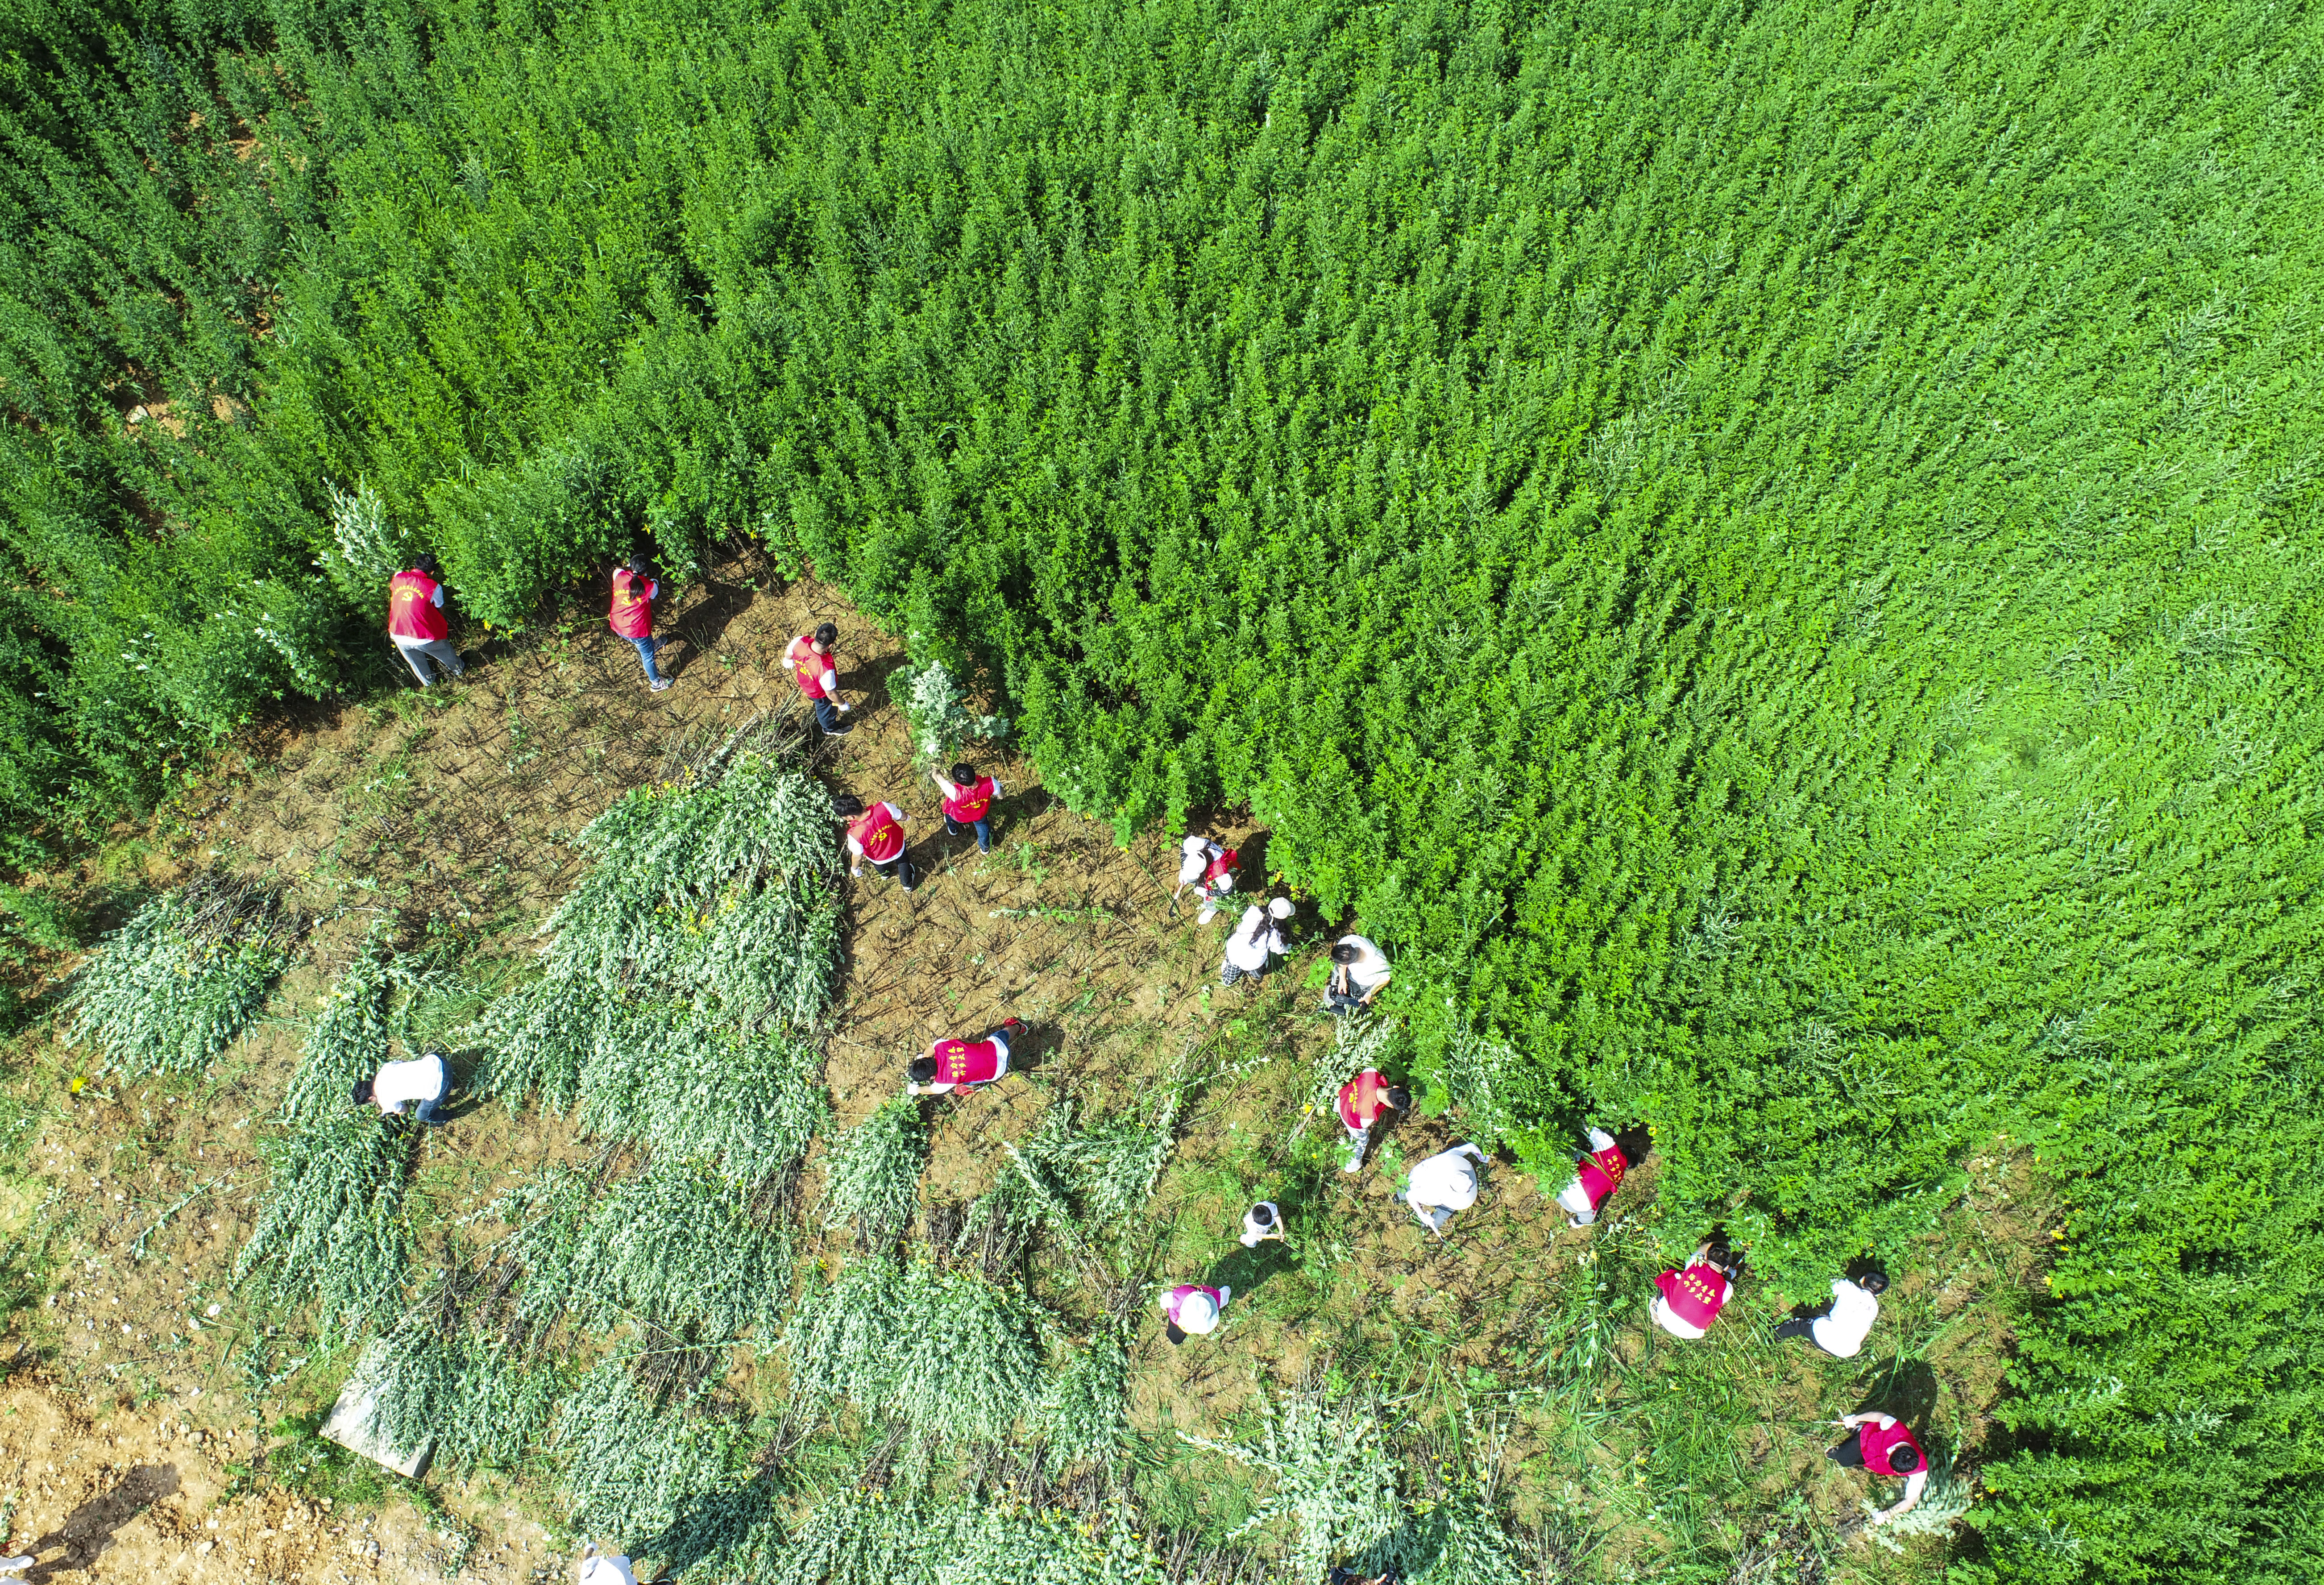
351	1424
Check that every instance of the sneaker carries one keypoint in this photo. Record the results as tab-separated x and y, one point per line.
840	730
659	687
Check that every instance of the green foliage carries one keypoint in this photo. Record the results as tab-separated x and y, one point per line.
172	989
633	1461
331	1231
941	723
677	1246
1334	1486
539	1037
367	1010
703	1091
1082	1415
950	1356
856	1537
872	1174
481	1402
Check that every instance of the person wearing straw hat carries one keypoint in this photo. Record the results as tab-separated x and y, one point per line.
1256	939
1445	1183
1262	1224
1210	869
1193	1309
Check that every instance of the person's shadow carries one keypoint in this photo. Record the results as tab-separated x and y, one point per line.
90	1528
1906	1389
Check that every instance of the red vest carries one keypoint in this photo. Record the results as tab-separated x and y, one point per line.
1695	1295
876	831
632	612
973	801
1361	1102
1877	1444
1601	1172
960	1063
411	611
809	666
1222	868
1188	1290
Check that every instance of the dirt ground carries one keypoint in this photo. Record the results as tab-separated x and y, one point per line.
144	1384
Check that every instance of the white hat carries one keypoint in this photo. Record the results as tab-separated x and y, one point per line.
1195	844
1280	909
1198	1313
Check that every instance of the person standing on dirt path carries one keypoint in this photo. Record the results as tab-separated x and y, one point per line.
809	657
1692	1298
599	1568
1885	1445
1597	1173
631	614
415	621
420	1084
962	1064
1210	869
1359	972
1258	937
876	833
968	803
1445	1183
1362	1101
1262	1224
1841	1330
1192	1310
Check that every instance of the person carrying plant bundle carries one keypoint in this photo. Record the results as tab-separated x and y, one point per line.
1262	1224
1254	941
632	615
1359	972
420	1084
1885	1445
1443	1183
1839	1330
809	658
1362	1100
415	621
876	833
968	803
1597	1173
599	1568
1209	869
1691	1299
1191	1309
962	1064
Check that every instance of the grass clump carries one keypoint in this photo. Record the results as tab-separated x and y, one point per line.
331	1231
874	1174
172	988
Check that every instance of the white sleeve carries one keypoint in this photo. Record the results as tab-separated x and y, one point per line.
945	787
854	847
894	813
996	786
1600	1139
436	600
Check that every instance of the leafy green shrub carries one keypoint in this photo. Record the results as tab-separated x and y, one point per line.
331	1231
171	987
692	1088
949	1355
632	1463
872	1174
674	1246
941	723
1083	1414
481	1403
539	1037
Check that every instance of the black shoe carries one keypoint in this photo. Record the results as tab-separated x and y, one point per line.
838	730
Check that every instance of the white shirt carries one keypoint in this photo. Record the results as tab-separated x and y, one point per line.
894	813
1249	955
1842	1330
1199	853
608	1570
1254	1232
1370	967
1446	1180
422	1078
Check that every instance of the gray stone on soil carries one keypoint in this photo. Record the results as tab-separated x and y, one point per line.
352	1424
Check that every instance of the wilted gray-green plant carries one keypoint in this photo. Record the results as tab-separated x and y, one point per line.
538	1037
171	987
331	1231
633	1464
675	1247
694	1087
359	1021
481	1403
878	1537
1083	1415
872	1174
1332	1480
941	721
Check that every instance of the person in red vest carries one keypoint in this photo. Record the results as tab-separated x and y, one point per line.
415	621
1885	1445
632	615
1193	1309
962	1064
1597	1173
1691	1299
809	658
968	804
1363	1100
1209	869
876	833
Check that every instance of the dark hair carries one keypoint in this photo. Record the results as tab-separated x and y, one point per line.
921	1069
828	633
846	804
1903	1458
1399	1097
640	567
426	563
1874	1281
1265	920
1344	953
1635	1143
964	773
1262	1215
363	1091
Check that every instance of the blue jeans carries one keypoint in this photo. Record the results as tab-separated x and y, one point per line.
646	647
425	1111
827	715
983	829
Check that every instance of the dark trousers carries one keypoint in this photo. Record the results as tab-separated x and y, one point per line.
1849	1454
983	829
827	715
899	869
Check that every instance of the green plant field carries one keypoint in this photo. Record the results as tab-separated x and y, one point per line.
1770	555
